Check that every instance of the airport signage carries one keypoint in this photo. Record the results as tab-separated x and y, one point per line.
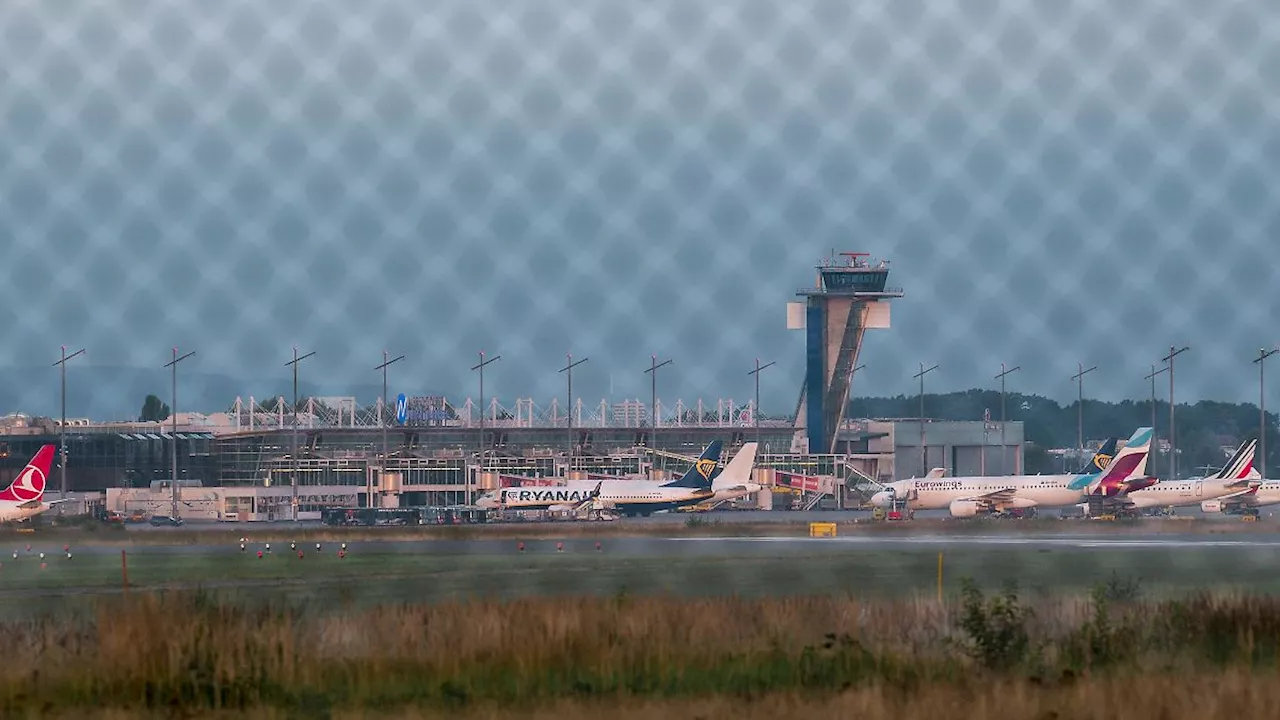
422	410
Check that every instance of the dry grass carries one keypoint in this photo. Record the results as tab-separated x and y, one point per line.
573	657
1229	694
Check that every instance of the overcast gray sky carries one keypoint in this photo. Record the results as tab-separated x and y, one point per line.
1053	182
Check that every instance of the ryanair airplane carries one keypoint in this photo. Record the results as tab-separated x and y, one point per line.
629	497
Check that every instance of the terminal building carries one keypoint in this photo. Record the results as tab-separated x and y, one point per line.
242	464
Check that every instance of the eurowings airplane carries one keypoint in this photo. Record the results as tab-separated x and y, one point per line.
1236	479
629	497
969	496
24	498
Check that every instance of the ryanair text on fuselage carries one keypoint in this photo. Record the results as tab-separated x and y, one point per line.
545	495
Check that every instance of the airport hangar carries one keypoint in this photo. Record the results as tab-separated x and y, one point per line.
239	464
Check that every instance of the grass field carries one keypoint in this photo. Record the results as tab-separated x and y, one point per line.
1112	654
739	524
391	573
638	628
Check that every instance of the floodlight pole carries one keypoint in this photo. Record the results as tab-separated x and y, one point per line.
173	414
62	429
1079	378
382	420
653	394
755	411
1004	449
1263	354
924	455
1152	378
1173	447
568	371
480	367
294	440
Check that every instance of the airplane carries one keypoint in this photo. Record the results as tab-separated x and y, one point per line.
735	480
1261	493
968	496
1236	479
630	497
24	498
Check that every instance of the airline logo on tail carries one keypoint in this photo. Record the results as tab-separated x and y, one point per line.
1241	465
706	466
30	483
699	476
1096	466
1100	461
1124	473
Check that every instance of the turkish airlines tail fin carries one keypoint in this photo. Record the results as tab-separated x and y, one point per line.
30	483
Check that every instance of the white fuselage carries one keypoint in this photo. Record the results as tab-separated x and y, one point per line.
734	493
1174	493
13	512
1267	494
626	495
1029	490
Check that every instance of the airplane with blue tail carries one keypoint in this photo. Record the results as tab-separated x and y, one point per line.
628	497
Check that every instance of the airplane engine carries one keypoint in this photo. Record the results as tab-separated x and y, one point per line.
964	508
1211	506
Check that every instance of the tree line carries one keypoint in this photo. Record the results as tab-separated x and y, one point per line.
1203	428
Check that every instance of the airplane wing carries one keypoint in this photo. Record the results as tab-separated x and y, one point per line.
994	498
590	499
1240	494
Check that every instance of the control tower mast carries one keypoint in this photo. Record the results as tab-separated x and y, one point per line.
850	298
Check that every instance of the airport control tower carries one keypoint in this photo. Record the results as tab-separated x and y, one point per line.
850	297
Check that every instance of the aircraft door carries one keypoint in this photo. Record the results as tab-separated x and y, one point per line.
1199	488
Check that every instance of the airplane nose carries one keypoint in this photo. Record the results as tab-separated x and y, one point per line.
881	499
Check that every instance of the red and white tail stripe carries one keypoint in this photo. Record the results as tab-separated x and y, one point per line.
30	483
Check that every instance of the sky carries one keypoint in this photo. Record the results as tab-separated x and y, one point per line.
1053	183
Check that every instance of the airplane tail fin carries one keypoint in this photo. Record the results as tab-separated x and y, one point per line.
1096	466
936	473
1130	463
699	476
1100	459
1241	464
738	472
30	484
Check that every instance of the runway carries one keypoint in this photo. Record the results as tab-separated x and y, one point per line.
658	547
885	562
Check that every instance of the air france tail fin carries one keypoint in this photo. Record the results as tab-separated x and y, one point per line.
699	476
1241	464
738	472
30	483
